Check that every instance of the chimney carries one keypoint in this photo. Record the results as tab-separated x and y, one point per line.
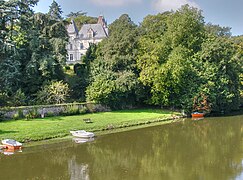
101	20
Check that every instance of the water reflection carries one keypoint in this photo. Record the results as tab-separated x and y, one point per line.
82	140
78	171
10	151
211	148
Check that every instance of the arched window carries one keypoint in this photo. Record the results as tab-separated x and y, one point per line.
90	33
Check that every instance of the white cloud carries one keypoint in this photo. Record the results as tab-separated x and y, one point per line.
114	2
167	5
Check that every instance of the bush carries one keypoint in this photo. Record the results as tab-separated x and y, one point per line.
56	92
49	114
1	115
67	68
33	113
71	110
3	98
16	116
19	99
84	110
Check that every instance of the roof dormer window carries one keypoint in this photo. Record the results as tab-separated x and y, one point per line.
90	33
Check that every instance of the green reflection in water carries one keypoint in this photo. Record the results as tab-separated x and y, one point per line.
207	149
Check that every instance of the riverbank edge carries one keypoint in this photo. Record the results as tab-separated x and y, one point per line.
111	130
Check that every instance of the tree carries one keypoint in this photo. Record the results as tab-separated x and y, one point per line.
32	48
186	28
55	11
81	18
113	74
154	49
174	80
218	30
47	53
14	26
238	44
122	39
76	14
220	70
166	50
55	92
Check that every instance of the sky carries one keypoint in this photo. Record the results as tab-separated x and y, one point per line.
221	12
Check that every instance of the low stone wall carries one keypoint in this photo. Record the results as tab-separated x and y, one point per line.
50	110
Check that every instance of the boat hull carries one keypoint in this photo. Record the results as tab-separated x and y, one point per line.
197	115
82	134
13	147
11	144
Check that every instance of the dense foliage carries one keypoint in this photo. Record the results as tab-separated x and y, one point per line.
114	79
33	48
173	59
81	18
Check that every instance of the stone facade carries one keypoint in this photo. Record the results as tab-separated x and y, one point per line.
79	41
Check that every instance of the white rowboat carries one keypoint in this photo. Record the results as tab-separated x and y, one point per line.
82	134
11	144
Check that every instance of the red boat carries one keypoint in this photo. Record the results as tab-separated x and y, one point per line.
197	115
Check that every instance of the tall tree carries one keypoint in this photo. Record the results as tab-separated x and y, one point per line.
48	52
55	11
219	70
32	49
166	48
14	26
238	44
114	71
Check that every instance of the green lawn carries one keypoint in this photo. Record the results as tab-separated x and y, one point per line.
53	127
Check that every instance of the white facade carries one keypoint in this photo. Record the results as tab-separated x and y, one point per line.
79	41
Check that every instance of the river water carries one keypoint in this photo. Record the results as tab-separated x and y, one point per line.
208	149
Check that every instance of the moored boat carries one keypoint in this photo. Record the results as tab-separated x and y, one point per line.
197	115
82	134
11	144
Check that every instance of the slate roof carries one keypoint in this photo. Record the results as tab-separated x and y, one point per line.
72	28
99	31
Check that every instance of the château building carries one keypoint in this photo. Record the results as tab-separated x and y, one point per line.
79	41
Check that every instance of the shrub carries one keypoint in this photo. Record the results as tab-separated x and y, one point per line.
19	98
28	116
1	115
49	114
33	113
56	92
3	98
20	113
84	110
71	110
16	116
67	68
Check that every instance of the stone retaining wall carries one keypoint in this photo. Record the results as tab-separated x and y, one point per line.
47	110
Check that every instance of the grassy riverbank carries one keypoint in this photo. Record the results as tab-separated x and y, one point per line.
54	127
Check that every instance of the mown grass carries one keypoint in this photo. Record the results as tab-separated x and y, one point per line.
53	127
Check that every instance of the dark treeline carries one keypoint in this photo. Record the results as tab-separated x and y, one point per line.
173	59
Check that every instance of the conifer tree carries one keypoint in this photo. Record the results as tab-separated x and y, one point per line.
55	11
